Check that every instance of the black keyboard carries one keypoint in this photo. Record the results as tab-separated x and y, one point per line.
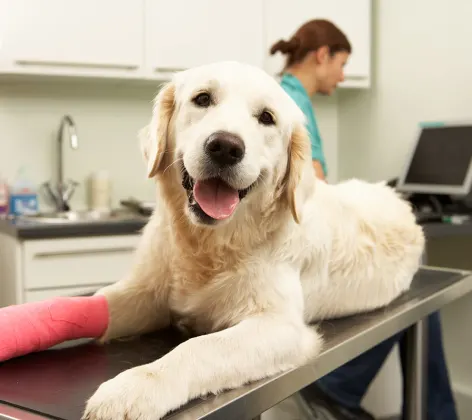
422	218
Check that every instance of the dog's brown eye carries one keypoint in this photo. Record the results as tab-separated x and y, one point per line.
266	118
202	99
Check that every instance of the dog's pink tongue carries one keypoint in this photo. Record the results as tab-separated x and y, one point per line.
216	199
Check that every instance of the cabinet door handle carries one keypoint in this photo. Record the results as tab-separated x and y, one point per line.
355	76
47	63
169	69
82	252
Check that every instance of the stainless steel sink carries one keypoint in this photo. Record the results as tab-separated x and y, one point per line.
81	217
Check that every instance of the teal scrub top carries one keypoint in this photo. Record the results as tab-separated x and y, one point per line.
298	93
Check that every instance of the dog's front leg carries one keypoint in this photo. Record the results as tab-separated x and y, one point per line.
255	348
139	302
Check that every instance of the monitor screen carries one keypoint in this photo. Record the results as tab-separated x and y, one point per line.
441	161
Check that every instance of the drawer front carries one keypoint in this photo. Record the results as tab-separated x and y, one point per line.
38	295
77	262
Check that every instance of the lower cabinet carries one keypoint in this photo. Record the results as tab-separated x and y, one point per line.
35	270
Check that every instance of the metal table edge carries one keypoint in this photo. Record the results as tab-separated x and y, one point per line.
10	412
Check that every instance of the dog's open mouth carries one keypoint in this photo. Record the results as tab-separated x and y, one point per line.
213	196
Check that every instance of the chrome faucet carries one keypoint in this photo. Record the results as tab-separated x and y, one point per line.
62	192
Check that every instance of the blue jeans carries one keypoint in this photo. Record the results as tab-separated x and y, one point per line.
348	384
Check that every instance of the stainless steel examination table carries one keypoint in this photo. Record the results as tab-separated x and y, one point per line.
56	383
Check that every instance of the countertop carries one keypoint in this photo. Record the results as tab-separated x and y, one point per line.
30	230
56	383
438	229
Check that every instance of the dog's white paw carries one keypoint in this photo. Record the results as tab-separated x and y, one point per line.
136	394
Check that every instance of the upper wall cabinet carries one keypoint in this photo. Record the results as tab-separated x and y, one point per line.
150	39
77	37
184	33
353	17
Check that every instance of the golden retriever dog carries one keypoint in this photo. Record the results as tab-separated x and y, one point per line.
246	247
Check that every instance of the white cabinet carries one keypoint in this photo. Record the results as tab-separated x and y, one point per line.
151	39
353	17
34	270
183	33
74	262
86	37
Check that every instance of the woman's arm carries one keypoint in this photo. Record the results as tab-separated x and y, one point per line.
318	169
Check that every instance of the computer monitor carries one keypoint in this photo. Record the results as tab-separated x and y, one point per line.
440	161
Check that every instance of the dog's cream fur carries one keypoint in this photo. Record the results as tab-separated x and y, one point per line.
295	251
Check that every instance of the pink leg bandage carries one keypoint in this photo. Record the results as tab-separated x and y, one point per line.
37	326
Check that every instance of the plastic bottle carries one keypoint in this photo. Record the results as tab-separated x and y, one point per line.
23	195
3	198
100	191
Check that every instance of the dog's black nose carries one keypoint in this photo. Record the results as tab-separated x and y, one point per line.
225	148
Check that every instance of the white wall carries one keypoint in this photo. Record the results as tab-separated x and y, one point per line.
422	70
108	117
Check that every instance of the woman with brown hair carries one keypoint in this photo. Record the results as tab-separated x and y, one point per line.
316	55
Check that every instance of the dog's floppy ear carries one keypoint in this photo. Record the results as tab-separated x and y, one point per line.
153	137
298	154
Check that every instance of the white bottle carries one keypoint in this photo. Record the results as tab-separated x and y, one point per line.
100	191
